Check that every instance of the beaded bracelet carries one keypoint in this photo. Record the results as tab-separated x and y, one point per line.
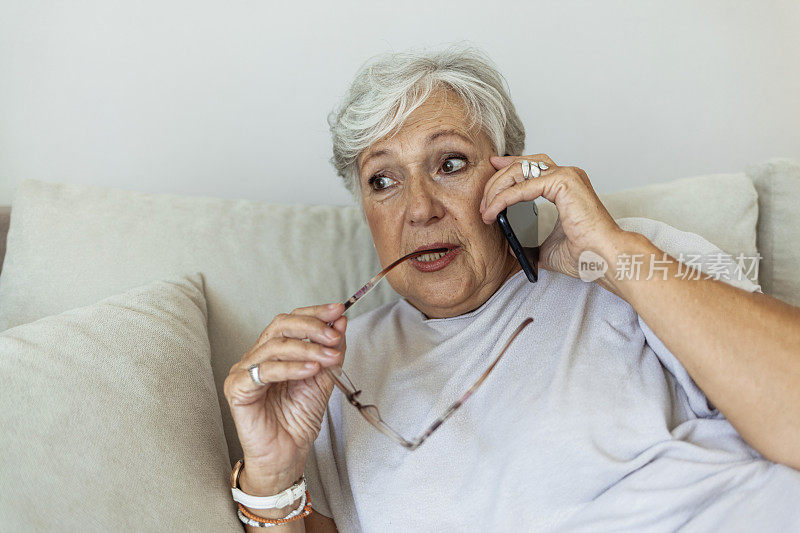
303	510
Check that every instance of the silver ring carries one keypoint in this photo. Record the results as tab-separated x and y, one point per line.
542	165
254	374
526	169
535	170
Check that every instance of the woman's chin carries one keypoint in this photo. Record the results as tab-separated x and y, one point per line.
451	291
439	302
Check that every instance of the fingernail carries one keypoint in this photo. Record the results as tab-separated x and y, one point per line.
330	352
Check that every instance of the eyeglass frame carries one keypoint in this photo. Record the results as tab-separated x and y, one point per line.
370	412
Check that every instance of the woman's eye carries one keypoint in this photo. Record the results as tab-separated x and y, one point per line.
378	182
450	167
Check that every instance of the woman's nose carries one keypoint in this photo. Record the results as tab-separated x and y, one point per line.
423	204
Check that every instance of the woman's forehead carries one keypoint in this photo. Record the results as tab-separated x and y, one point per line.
426	138
439	117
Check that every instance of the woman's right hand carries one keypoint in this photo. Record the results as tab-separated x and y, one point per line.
278	423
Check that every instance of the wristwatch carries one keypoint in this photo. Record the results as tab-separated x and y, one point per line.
276	501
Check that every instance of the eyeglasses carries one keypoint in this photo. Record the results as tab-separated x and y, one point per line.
370	412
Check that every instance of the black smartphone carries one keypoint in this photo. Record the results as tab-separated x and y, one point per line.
520	225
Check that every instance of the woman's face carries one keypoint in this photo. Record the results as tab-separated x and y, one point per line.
422	189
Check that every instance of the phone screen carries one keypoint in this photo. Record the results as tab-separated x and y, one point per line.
520	227
524	220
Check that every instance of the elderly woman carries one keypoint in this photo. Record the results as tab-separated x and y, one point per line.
645	403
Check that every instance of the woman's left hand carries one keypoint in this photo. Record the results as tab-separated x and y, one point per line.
583	221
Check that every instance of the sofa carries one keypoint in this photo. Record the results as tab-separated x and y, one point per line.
122	312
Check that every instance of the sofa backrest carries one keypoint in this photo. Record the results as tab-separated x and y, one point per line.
5	215
777	182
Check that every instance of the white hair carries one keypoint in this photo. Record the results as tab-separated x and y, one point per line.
390	86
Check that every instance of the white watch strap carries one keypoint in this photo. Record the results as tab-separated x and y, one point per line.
300	509
282	499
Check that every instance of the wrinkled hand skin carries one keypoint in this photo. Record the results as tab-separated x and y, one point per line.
278	423
583	221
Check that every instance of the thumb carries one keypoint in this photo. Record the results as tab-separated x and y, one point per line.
340	325
501	161
327	383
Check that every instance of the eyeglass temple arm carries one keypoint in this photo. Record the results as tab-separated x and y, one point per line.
456	404
368	286
379	276
413	445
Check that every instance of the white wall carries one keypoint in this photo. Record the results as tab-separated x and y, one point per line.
229	98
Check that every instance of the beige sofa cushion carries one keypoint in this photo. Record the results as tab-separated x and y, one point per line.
723	208
778	184
71	245
5	215
110	418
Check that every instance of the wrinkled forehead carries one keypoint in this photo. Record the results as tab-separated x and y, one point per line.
426	139
441	117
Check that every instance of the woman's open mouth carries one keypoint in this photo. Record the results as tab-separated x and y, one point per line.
435	261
